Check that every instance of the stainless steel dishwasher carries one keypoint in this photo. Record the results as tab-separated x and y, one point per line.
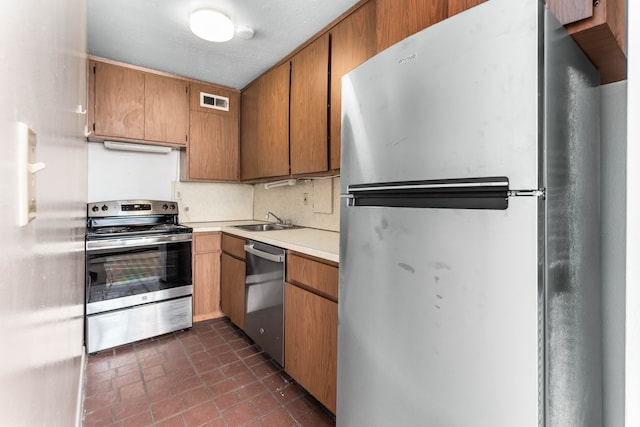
264	287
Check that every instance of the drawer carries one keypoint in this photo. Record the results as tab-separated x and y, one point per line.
206	242
313	273
233	245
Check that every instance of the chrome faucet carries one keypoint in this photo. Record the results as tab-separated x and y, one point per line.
266	216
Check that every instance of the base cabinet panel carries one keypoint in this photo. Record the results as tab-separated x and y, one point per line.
206	276
311	342
232	296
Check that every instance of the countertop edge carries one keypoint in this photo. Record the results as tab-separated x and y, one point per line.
310	241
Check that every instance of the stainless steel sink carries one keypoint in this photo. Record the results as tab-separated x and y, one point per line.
265	227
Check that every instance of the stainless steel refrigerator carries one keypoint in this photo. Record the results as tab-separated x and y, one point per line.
469	248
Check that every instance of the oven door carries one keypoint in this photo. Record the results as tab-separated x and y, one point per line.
128	272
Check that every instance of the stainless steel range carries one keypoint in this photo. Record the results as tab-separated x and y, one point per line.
138	272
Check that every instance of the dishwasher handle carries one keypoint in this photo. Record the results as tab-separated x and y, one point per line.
261	254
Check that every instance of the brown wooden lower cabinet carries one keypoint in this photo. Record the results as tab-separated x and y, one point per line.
311	326
311	342
206	276
232	276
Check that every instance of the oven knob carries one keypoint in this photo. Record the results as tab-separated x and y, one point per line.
95	209
105	207
173	207
165	207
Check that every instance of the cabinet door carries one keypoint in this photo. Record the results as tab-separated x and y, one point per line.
308	108
213	150
265	125
206	276
233	246
119	101
273	122
166	106
311	343
206	286
353	41
232	274
249	134
398	19
457	6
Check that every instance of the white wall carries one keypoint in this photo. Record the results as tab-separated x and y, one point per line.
614	150
42	82
122	175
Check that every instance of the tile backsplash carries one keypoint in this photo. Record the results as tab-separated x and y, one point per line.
311	202
202	201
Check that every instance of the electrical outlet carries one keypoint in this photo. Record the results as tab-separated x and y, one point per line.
305	199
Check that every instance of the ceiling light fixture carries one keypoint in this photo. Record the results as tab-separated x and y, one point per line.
211	25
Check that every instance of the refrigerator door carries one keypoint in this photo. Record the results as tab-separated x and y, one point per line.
438	317
457	100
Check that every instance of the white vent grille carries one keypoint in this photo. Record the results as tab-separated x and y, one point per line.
216	102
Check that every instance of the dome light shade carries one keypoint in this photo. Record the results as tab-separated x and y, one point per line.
211	25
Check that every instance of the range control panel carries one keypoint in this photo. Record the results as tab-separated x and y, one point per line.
131	207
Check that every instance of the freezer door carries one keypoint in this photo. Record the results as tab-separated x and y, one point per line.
438	317
457	100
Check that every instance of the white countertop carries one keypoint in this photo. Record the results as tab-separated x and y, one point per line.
320	243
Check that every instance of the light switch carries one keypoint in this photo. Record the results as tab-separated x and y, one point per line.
27	168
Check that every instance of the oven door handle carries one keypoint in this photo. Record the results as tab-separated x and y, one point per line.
95	245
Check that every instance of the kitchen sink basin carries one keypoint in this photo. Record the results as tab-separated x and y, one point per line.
265	227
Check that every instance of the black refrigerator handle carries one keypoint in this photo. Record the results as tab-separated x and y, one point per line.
466	193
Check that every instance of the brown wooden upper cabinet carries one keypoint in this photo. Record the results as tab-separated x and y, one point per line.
600	30
213	153
132	105
398	19
309	108
457	6
353	41
568	11
166	115
265	125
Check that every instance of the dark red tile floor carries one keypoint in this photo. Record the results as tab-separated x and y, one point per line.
211	375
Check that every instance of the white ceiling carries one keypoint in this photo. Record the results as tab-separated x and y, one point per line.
155	34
